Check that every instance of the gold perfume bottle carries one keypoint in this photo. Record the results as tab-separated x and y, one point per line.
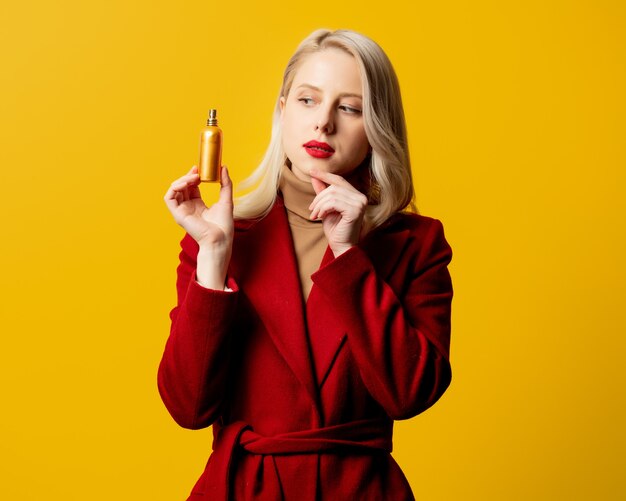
210	150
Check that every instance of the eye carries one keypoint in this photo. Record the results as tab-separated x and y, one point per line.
349	109
306	100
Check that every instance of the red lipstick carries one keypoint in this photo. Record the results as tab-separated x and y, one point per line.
318	150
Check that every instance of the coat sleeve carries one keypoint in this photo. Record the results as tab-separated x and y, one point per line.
400	344
193	371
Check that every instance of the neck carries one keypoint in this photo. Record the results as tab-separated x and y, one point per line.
297	193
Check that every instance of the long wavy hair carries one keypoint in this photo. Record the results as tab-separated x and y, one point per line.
390	185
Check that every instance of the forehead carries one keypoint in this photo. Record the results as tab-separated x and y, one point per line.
332	70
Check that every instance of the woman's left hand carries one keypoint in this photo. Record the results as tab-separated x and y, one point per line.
341	207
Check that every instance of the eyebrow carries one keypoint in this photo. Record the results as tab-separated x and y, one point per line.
343	94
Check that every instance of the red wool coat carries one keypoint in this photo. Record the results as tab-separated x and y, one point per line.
302	396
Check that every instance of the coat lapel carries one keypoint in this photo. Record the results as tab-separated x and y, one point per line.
264	264
325	334
328	337
265	267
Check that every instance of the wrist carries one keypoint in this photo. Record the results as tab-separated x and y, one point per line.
213	253
340	249
211	268
210	282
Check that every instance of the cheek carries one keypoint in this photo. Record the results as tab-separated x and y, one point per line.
287	123
360	141
289	136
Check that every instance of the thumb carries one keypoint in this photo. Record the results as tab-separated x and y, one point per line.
226	187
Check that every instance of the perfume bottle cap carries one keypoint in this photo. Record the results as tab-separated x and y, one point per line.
212	117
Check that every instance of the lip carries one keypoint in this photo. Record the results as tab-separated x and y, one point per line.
318	150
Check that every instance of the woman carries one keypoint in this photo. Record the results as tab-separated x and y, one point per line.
319	312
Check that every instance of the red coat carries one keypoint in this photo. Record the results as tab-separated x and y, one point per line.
302	397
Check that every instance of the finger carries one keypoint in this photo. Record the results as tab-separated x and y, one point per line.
185	182
173	199
226	187
182	186
170	194
188	190
339	193
323	208
318	185
346	208
185	193
194	186
192	174
194	191
328	178
171	203
340	201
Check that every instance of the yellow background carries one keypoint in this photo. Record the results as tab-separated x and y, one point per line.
516	114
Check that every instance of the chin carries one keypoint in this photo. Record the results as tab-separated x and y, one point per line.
306	164
300	170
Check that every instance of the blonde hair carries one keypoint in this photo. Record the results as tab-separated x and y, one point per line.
390	184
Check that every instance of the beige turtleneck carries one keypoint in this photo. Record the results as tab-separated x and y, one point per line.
308	236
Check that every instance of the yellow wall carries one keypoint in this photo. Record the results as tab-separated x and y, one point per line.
516	117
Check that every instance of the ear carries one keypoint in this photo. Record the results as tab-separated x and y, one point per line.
282	104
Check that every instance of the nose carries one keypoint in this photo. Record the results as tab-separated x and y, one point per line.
325	121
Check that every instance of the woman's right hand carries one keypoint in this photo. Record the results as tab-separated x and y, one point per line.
212	227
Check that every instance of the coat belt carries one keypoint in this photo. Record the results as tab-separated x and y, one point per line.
367	435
